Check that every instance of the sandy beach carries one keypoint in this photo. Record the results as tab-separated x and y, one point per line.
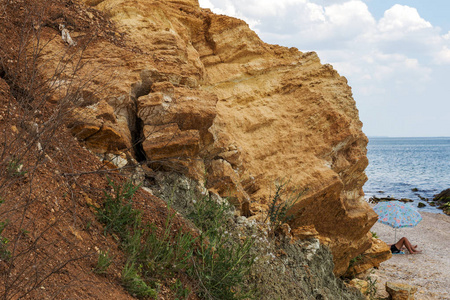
430	270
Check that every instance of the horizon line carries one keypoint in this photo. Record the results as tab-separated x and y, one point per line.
387	136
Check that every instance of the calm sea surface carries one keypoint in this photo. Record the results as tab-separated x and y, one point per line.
398	165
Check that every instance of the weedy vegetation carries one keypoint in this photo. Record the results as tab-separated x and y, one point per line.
5	254
371	288
281	202
103	262
214	259
220	262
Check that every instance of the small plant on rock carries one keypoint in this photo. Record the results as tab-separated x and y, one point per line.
371	288
220	263
355	260
283	200
221	269
209	215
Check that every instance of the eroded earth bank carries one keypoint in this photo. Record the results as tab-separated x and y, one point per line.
169	92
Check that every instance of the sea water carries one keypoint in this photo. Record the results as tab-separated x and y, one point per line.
399	165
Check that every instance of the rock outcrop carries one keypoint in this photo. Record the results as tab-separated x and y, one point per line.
372	257
180	88
400	291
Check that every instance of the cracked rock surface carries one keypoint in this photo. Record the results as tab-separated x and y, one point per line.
187	90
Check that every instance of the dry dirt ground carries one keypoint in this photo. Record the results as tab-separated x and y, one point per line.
430	270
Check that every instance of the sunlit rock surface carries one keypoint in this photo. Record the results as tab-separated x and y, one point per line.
187	90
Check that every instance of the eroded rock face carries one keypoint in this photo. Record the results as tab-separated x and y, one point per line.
400	291
199	93
372	257
294	118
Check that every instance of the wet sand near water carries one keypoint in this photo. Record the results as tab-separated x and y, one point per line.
429	270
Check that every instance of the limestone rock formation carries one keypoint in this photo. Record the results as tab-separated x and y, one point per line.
183	89
361	285
400	291
372	257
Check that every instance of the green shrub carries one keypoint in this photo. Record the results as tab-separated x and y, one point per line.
133	282
5	254
156	255
103	262
117	213
220	263
165	254
221	269
210	215
181	292
283	200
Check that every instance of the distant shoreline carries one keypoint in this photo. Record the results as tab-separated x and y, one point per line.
435	210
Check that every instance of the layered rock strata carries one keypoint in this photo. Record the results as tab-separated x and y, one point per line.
180	88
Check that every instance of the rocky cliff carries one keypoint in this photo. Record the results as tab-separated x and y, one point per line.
180	88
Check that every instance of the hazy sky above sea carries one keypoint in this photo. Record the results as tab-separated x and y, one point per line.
395	54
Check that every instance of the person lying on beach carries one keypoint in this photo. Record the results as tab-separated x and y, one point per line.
404	243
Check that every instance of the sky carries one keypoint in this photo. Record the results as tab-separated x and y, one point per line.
394	54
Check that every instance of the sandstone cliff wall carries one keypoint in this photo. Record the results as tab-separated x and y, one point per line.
180	88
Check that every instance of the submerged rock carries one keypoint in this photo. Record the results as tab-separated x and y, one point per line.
443	200
374	199
443	196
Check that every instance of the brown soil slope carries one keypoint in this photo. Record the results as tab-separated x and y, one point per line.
49	182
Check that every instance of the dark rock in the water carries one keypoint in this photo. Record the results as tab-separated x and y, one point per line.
374	199
405	200
442	200
422	198
446	208
421	204
415	189
443	196
432	203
